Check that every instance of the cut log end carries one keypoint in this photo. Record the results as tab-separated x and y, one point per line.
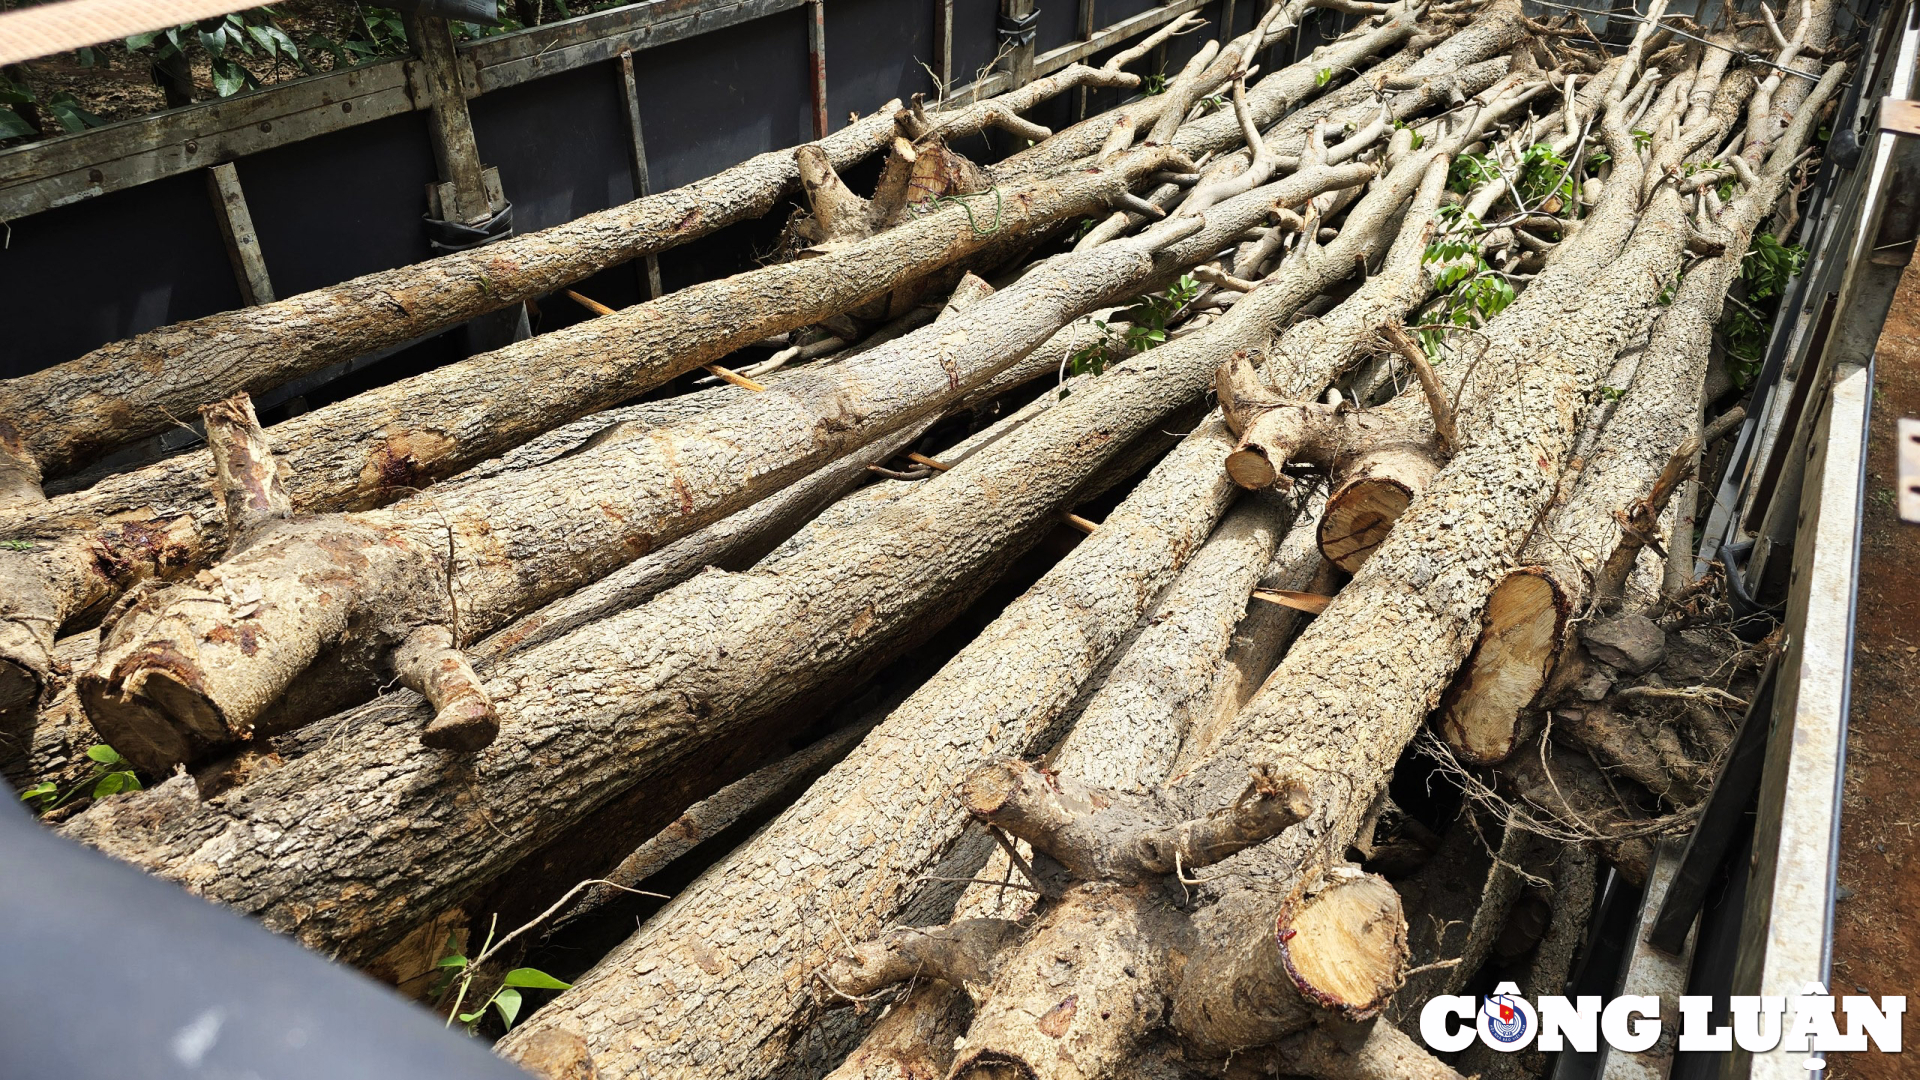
987	790
1250	467
1525	627
464	717
20	685
156	720
1359	516
1345	948
465	726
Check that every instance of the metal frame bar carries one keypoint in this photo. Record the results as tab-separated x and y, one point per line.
236	231
70	168
817	65
649	267
1787	933
943	46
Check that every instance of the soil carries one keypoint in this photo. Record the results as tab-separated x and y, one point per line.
119	84
1874	930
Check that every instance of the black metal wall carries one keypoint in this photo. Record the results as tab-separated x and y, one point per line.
350	202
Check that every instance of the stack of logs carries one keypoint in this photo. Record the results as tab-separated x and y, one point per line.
457	643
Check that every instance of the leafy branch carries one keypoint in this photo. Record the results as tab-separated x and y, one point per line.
111	775
505	999
1146	328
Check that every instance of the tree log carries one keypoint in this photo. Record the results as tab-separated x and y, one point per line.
72	413
1351	693
1582	552
60	730
740	647
883	781
79	564
485	552
1072	825
1124	737
1262	637
815	863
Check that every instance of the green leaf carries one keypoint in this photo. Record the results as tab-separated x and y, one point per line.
214	41
86	56
13	125
140	41
43	790
71	116
1323	77
229	78
282	42
104	754
453	962
533	978
468	1018
508	1002
263	37
111	784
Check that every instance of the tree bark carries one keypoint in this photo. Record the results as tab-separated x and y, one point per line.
833	835
1352	691
72	413
660	682
816	867
1529	621
1131	729
1123	737
1262	637
54	745
883	779
90	547
179	674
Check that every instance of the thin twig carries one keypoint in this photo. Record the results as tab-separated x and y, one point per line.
1416	357
545	915
1741	54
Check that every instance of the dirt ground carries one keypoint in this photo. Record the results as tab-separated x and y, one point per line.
1874	922
119	84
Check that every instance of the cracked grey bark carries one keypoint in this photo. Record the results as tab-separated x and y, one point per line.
1530	616
1260	639
72	413
817	872
322	848
192	668
1124	738
80	564
714	983
744	1010
1353	690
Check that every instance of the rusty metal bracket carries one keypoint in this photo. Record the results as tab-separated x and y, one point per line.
1899	116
